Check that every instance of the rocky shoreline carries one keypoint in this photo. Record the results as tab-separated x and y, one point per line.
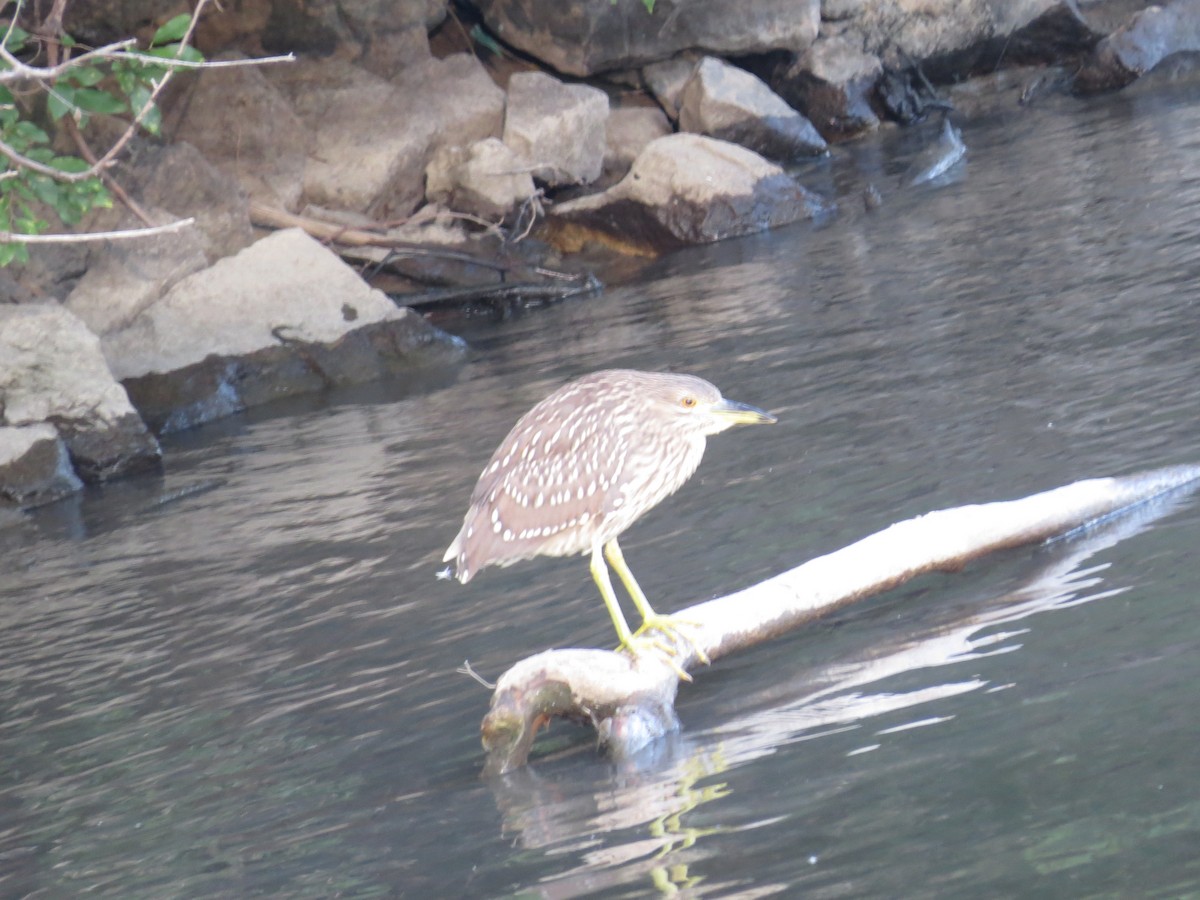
467	143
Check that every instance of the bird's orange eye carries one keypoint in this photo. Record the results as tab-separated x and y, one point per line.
688	402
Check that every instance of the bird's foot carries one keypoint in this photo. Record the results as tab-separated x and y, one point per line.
637	644
671	627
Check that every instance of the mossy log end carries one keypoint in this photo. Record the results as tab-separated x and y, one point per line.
630	702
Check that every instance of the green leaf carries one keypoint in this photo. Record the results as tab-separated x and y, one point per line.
17	38
97	101
31	224
152	121
10	253
70	164
60	101
87	76
138	98
67	41
126	80
146	72
29	132
46	190
174	30
176	51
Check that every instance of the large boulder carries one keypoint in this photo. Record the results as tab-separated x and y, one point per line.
591	36
729	103
178	178
832	82
35	467
685	189
245	126
556	129
628	132
285	316
953	39
172	182
52	371
372	138
665	80
1139	45
323	25
125	277
288	27
485	180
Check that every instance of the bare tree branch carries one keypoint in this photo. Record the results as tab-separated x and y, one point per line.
21	71
10	237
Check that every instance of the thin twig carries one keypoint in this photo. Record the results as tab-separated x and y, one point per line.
465	669
8	237
204	63
24	72
32	164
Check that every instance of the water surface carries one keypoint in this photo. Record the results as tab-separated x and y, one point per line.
238	678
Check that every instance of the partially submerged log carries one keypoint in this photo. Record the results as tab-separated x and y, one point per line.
630	702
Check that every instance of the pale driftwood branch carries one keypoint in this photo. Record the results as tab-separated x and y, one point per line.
631	702
272	217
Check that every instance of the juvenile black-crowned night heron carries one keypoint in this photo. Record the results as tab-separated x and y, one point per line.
585	464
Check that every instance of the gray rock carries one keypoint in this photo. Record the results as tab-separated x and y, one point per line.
389	54
832	81
591	36
35	467
953	39
667	79
485	180
284	316
52	371
627	133
729	103
371	138
127	276
556	129
1149	37
293	27
685	189
323	25
245	127
177	178
172	182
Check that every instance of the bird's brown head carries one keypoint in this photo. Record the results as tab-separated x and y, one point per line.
685	403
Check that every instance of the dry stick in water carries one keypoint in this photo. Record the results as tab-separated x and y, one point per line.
630	701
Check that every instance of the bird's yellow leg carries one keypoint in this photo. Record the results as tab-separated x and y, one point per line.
604	583
629	641
651	621
612	550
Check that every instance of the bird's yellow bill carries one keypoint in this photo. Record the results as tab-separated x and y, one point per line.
742	413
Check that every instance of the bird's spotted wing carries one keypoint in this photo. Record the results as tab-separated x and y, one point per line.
544	491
